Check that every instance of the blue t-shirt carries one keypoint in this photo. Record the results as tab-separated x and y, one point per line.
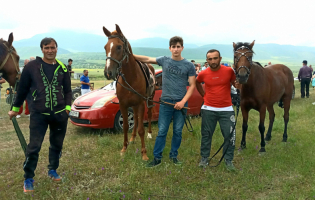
175	77
85	79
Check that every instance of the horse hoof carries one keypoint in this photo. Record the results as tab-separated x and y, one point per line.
145	158
284	140
267	138
243	147
149	136
262	153
132	142
262	150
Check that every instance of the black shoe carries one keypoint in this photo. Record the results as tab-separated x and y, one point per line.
302	97
176	161
204	162
229	165
155	162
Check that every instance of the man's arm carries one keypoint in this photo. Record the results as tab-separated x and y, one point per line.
145	59
192	85
84	83
67	91
299	76
2	81
200	88
23	89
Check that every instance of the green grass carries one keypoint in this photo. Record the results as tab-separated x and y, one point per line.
93	168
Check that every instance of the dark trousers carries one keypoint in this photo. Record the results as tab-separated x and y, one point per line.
38	127
305	83
209	121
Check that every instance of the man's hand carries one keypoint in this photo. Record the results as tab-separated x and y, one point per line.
89	84
179	105
12	114
237	85
67	112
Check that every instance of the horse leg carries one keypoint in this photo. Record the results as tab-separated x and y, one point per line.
150	103
261	128
141	131
244	127
124	112
287	102
134	131
271	120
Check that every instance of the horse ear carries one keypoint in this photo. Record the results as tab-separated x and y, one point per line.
10	40
118	30
234	45
252	44
107	32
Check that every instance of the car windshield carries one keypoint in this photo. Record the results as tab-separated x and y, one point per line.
111	86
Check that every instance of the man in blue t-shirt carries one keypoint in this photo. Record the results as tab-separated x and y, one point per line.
176	72
85	81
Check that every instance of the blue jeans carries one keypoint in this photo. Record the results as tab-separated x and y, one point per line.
166	113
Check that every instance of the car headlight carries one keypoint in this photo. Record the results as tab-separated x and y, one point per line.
101	102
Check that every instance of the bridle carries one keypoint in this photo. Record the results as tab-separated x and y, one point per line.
125	53
10	52
243	54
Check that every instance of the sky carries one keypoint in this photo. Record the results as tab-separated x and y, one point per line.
197	21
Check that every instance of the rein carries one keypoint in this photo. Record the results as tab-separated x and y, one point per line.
243	54
11	51
228	141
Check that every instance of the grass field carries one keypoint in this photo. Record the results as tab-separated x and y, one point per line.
92	168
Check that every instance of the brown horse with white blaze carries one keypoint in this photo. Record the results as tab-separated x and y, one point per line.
121	63
261	88
9	61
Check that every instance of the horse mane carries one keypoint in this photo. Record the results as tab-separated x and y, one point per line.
245	44
257	63
3	50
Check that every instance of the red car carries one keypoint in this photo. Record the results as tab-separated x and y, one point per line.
99	109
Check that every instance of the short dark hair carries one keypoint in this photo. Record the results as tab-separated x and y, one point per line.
70	60
85	70
213	50
205	62
192	61
175	39
47	40
196	65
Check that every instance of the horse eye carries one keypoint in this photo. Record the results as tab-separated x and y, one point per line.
119	47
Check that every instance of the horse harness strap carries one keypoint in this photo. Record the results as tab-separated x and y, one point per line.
11	50
243	54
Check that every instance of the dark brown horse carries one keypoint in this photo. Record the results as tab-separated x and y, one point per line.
120	61
261	88
9	61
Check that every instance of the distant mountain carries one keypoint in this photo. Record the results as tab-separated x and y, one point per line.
70	41
27	52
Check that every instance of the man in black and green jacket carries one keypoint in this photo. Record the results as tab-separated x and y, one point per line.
47	81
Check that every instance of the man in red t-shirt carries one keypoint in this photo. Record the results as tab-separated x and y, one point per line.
217	106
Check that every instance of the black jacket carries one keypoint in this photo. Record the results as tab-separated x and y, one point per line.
46	96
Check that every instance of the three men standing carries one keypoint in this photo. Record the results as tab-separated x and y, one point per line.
48	81
305	75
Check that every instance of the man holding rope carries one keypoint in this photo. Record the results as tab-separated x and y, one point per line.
48	81
217	107
176	71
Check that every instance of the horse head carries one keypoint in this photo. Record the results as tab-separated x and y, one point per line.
117	52
9	61
243	55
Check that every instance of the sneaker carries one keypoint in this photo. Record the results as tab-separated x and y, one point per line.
53	175
176	161
229	165
28	185
204	162
18	116
155	162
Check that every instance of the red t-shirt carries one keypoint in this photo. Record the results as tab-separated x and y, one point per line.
217	86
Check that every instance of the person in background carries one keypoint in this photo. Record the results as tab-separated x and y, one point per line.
32	58
1	81
70	66
27	112
205	66
269	63
304	77
85	82
313	80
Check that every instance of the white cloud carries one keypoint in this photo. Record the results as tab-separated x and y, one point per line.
197	21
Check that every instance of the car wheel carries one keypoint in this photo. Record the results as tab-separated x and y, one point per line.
118	124
75	94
